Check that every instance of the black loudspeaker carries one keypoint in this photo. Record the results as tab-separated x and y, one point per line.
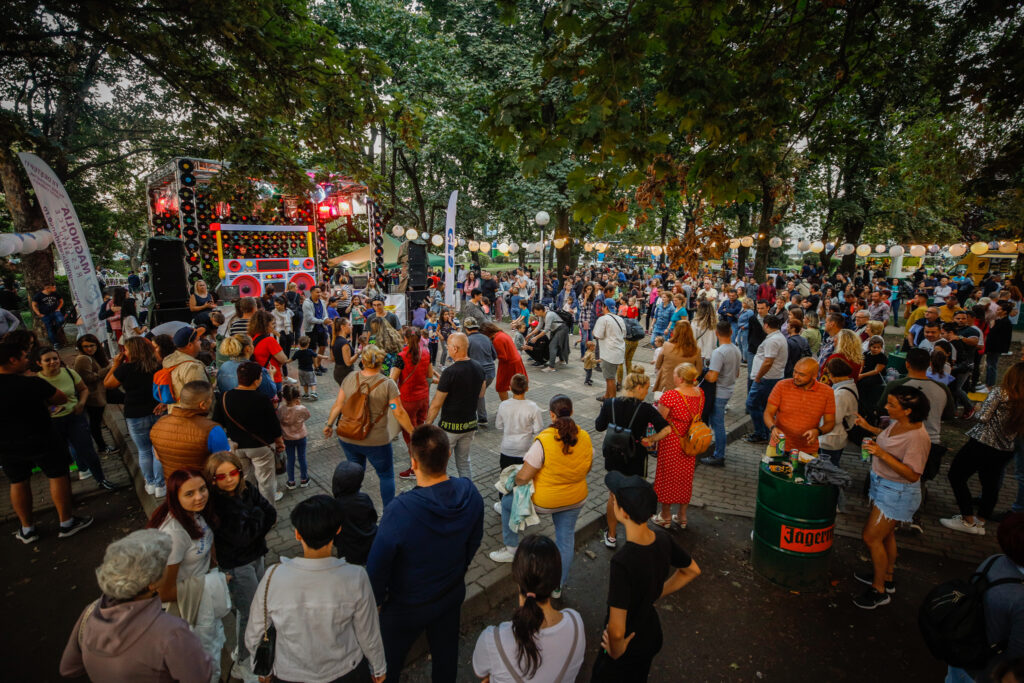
417	265
227	293
167	275
159	315
412	302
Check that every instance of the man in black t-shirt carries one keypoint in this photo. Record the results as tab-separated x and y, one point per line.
458	390
30	441
641	572
47	304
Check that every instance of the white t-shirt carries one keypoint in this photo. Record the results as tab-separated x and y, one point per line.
725	360
611	331
557	640
942	292
521	421
192	554
128	327
773	346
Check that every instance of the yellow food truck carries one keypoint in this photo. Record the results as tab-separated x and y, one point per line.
977	267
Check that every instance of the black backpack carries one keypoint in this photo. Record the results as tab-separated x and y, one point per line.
952	620
619	447
634	330
566	317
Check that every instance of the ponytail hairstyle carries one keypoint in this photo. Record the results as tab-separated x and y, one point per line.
536	569
938	362
568	431
412	342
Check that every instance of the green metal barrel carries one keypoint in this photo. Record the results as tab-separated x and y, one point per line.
794	526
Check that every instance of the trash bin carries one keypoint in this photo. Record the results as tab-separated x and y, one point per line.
794	526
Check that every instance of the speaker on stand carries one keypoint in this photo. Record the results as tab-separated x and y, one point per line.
417	264
167	275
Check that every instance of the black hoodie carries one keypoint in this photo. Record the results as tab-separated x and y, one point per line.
244	520
360	525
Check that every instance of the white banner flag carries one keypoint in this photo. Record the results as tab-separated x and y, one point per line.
449	250
69	238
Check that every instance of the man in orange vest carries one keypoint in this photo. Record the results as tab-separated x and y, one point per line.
186	437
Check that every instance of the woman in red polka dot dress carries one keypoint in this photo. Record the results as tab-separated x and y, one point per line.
673	480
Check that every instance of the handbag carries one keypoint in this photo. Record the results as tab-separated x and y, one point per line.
698	436
263	658
279	465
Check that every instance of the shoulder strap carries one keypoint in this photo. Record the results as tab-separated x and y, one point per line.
266	593
572	648
224	404
504	657
85	617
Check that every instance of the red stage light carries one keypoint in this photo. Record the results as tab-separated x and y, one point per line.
324	210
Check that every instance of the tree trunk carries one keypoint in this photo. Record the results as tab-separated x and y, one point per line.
666	218
743	253
562	230
764	228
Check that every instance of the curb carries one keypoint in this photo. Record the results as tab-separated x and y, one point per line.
114	419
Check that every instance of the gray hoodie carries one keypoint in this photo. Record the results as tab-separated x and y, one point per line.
135	641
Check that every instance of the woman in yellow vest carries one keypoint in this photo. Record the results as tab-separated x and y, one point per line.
557	463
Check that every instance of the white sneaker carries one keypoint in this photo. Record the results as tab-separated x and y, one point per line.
958	523
505	555
84	474
290	380
149	489
159	491
497	507
278	496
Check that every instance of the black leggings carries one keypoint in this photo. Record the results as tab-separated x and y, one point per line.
989	463
286	342
95	414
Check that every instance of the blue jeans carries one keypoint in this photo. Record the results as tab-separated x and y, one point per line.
242	588
955	674
749	357
991	368
383	463
585	336
53	323
757	399
565	533
735	332
1018	467
718	427
138	429
297	449
74	430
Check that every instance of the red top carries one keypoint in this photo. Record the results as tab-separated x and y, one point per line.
263	353
412	383
505	348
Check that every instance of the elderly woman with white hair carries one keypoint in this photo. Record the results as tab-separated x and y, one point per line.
126	635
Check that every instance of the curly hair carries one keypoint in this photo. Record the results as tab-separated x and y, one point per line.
848	344
133	563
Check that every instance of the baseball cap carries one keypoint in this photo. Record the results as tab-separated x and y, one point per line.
471	323
634	494
184	337
610	303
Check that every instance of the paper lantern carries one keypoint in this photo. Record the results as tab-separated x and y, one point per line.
896	251
993	245
957	250
803	245
863	250
474	245
917	250
830	246
817	247
462	242
542	218
437	240
879	248
503	247
559	242
847	249
602	247
588	246
734	243
933	249
656	250
1007	247
398	231
979	248
747	241
775	242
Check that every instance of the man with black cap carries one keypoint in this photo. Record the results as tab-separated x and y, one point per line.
641	572
184	366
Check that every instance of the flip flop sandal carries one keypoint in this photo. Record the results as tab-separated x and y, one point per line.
661	521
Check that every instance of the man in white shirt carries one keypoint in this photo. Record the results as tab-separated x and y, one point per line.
610	331
322	608
766	370
709	293
723	371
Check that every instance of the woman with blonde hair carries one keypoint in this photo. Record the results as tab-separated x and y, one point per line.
876	328
704	322
383	395
239	348
680	348
673	480
849	349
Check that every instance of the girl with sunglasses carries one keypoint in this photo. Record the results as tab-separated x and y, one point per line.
244	517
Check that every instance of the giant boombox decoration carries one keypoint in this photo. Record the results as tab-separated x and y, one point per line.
280	240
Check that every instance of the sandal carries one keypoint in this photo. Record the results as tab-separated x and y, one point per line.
661	521
682	524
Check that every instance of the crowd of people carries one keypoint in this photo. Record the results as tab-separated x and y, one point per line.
217	409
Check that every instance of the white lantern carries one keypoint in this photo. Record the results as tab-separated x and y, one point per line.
803	245
734	243
398	231
588	246
933	249
462	242
879	248
830	246
474	245
747	241
602	246
817	247
559	242
411	234
1007	247
957	250
979	248
917	250
896	251
513	248
847	249
863	250
656	250
775	242
437	240
503	247
542	218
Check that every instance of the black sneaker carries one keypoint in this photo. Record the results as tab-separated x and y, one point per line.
870	599
107	484
713	461
30	537
869	579
755	439
77	524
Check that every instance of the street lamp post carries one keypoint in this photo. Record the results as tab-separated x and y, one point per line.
542	219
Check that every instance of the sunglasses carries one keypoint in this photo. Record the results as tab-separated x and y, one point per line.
222	476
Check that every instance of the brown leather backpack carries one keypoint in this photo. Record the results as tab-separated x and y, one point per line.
355	423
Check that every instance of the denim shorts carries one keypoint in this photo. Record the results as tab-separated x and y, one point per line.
895	500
